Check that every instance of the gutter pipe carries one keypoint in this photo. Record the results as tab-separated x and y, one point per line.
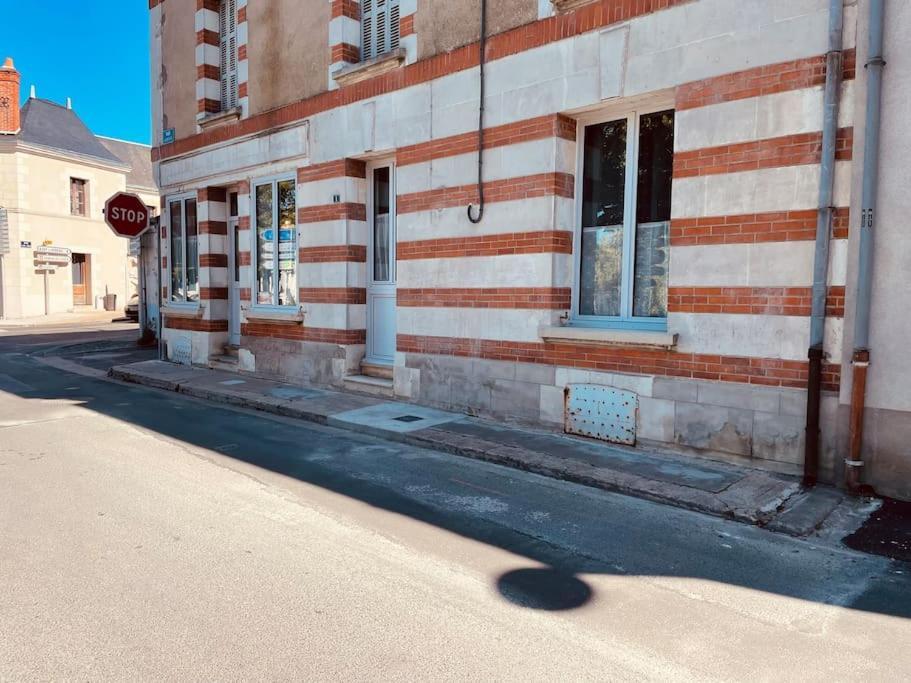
861	356
482	46
823	231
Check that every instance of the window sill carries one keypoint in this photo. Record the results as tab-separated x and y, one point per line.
609	337
287	315
372	67
561	6
205	120
188	310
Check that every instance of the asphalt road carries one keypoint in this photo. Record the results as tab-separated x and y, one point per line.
145	535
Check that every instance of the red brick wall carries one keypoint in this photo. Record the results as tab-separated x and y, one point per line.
763	80
297	332
752	300
344	252
332	212
551	298
545	241
788	150
553	125
195	324
333	295
524	187
775	226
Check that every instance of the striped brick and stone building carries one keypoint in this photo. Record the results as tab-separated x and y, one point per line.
651	177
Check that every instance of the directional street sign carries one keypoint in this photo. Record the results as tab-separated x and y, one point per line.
53	255
126	215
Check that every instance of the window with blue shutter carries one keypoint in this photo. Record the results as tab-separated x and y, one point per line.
379	27
227	20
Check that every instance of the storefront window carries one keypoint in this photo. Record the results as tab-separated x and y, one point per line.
184	250
276	243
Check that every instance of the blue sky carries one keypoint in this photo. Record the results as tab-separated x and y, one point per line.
95	51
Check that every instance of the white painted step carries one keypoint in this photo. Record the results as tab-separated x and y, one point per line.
375	386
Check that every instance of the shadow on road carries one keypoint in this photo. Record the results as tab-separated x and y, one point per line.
350	465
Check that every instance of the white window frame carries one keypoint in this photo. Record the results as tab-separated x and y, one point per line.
274	180
227	38
182	199
631	110
389	30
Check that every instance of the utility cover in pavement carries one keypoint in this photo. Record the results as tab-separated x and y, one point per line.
387	417
601	412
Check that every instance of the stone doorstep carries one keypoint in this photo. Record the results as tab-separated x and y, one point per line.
757	497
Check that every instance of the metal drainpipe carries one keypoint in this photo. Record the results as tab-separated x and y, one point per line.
483	49
861	358
823	231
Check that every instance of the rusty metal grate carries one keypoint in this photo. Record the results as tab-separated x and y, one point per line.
601	412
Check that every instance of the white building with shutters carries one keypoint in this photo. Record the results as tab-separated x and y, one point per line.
645	221
55	176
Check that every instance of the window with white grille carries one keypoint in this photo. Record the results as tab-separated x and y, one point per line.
227	22
379	27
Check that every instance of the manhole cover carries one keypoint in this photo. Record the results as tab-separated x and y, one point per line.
408	418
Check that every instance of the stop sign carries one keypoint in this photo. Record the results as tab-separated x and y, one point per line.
126	215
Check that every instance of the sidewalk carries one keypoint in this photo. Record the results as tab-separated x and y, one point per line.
740	493
88	316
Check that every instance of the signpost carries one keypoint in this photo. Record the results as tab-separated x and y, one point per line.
126	215
47	260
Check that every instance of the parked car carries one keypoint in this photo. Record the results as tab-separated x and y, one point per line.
131	310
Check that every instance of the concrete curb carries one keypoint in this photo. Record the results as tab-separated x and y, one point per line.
757	498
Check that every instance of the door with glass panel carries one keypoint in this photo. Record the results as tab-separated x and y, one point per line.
233	272
623	247
381	264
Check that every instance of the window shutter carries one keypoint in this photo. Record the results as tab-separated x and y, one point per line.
4	232
367	44
393	24
379	27
227	19
232	52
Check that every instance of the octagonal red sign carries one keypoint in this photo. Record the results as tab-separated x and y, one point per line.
126	215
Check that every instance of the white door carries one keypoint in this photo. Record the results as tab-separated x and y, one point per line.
381	263
233	278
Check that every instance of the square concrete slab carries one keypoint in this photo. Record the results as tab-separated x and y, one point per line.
393	417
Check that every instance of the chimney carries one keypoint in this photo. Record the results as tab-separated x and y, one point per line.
9	98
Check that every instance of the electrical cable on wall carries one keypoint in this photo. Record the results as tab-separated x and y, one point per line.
482	46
